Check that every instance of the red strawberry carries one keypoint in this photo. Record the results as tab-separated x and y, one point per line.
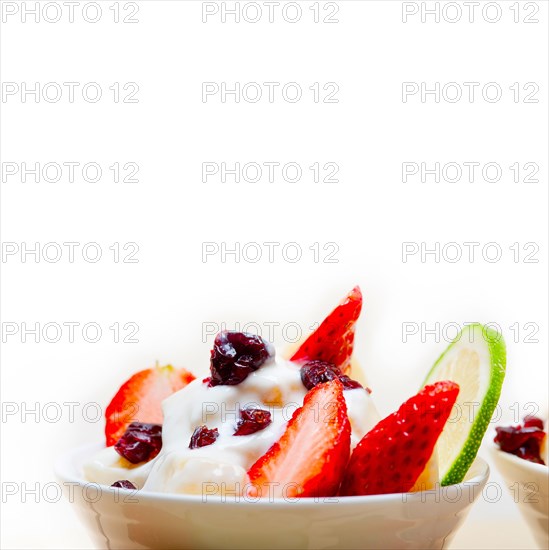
140	398
310	457
333	340
392	455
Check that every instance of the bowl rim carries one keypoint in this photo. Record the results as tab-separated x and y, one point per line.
66	470
533	467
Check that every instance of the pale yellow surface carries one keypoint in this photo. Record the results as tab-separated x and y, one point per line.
493	535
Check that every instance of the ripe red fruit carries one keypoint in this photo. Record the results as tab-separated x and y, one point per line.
392	455
140	398
310	457
333	340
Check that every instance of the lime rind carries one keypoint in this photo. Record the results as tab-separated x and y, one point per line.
477	336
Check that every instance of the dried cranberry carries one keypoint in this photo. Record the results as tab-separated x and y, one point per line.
349	383
140	443
235	355
317	372
252	420
203	436
533	422
522	441
124	484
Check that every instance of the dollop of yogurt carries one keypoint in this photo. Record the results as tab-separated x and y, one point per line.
221	468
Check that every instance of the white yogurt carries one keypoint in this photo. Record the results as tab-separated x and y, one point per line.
222	466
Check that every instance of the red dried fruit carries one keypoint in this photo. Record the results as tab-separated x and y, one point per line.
124	484
532	422
319	372
203	436
350	384
252	420
140	443
522	441
235	355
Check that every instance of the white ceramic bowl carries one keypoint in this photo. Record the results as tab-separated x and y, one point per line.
529	485
118	519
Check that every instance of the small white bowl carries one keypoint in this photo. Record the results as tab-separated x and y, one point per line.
529	485
119	519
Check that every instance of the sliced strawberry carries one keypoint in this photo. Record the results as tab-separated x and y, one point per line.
310	457
392	455
139	399
333	340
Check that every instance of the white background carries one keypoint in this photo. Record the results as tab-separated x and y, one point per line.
170	212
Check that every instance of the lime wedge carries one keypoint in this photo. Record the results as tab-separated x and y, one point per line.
476	361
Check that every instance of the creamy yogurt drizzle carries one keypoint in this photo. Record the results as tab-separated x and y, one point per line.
222	466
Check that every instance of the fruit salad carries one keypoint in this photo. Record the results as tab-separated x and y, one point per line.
527	440
263	426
